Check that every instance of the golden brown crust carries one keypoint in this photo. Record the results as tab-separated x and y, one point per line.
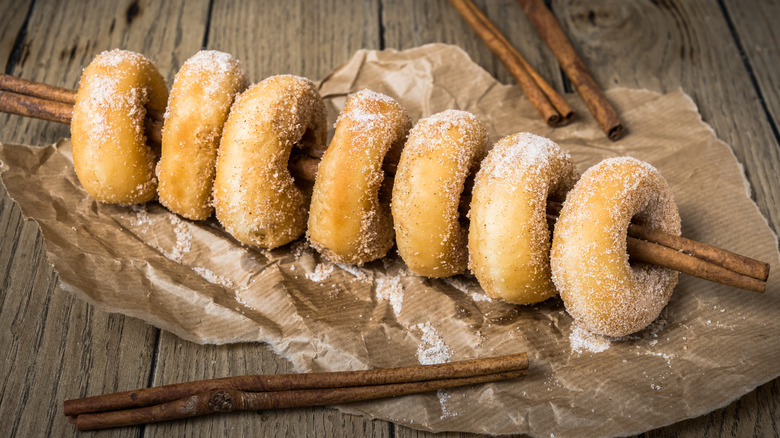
201	96
255	197
509	241
589	261
110	154
438	156
348	223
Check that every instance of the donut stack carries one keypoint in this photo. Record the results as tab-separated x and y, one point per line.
226	147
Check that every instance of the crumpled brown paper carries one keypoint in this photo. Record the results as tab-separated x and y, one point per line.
711	344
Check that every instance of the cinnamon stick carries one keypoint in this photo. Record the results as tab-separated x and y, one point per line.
35	107
544	98
286	382
698	262
37	89
696	250
660	255
228	400
55	111
547	26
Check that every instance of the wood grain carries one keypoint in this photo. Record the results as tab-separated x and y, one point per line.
179	361
410	23
56	346
324	36
306	38
11	23
682	44
57	48
756	31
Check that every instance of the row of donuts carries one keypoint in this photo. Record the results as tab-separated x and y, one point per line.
226	147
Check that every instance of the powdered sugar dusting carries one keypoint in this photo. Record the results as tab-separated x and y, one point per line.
432	349
509	237
321	272
350	175
589	260
443	398
581	340
183	240
391	289
213	278
432	242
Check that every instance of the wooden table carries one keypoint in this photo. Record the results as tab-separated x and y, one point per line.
723	53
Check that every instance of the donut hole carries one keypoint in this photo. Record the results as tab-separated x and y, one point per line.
639	218
301	163
309	141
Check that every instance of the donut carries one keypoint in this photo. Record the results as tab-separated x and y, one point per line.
112	160
509	241
347	221
255	197
590	267
201	96
438	156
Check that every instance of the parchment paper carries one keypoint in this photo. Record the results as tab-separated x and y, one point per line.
711	345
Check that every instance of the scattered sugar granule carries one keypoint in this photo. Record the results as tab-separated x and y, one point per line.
321	272
213	278
391	289
300	248
141	216
443	397
583	340
432	350
183	240
354	270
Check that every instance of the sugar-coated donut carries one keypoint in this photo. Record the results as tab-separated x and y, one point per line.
201	96
509	241
110	154
348	223
255	197
438	156
590	266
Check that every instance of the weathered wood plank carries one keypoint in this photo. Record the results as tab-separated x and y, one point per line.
759	37
293	37
11	22
682	44
64	36
56	346
410	23
180	361
317	39
660	46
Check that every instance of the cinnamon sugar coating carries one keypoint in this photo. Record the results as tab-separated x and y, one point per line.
201	96
590	265
255	197
110	154
509	240
438	156
348	222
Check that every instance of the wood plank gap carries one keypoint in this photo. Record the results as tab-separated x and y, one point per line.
749	68
380	17
208	26
155	353
16	52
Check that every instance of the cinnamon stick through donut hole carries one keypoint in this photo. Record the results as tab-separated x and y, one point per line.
699	260
260	392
